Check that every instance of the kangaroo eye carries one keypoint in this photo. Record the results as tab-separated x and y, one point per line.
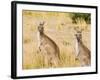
75	34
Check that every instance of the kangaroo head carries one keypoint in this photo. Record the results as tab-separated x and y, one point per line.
78	34
41	27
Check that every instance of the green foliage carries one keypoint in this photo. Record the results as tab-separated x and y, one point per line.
81	16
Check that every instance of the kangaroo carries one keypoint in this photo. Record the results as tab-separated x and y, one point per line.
48	48
83	53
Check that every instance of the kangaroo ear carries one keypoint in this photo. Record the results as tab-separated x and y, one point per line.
43	22
82	30
76	29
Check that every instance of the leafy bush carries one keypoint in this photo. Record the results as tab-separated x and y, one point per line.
81	16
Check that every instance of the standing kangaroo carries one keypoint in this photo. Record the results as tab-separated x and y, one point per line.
48	48
83	53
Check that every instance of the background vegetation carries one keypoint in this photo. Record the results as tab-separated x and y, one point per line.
81	16
59	27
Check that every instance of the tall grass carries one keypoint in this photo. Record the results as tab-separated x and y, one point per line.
58	29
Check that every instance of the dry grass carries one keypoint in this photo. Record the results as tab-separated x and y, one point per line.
59	29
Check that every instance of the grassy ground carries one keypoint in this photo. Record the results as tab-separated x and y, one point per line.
59	28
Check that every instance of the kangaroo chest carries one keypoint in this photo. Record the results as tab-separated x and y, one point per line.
45	44
77	47
80	52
